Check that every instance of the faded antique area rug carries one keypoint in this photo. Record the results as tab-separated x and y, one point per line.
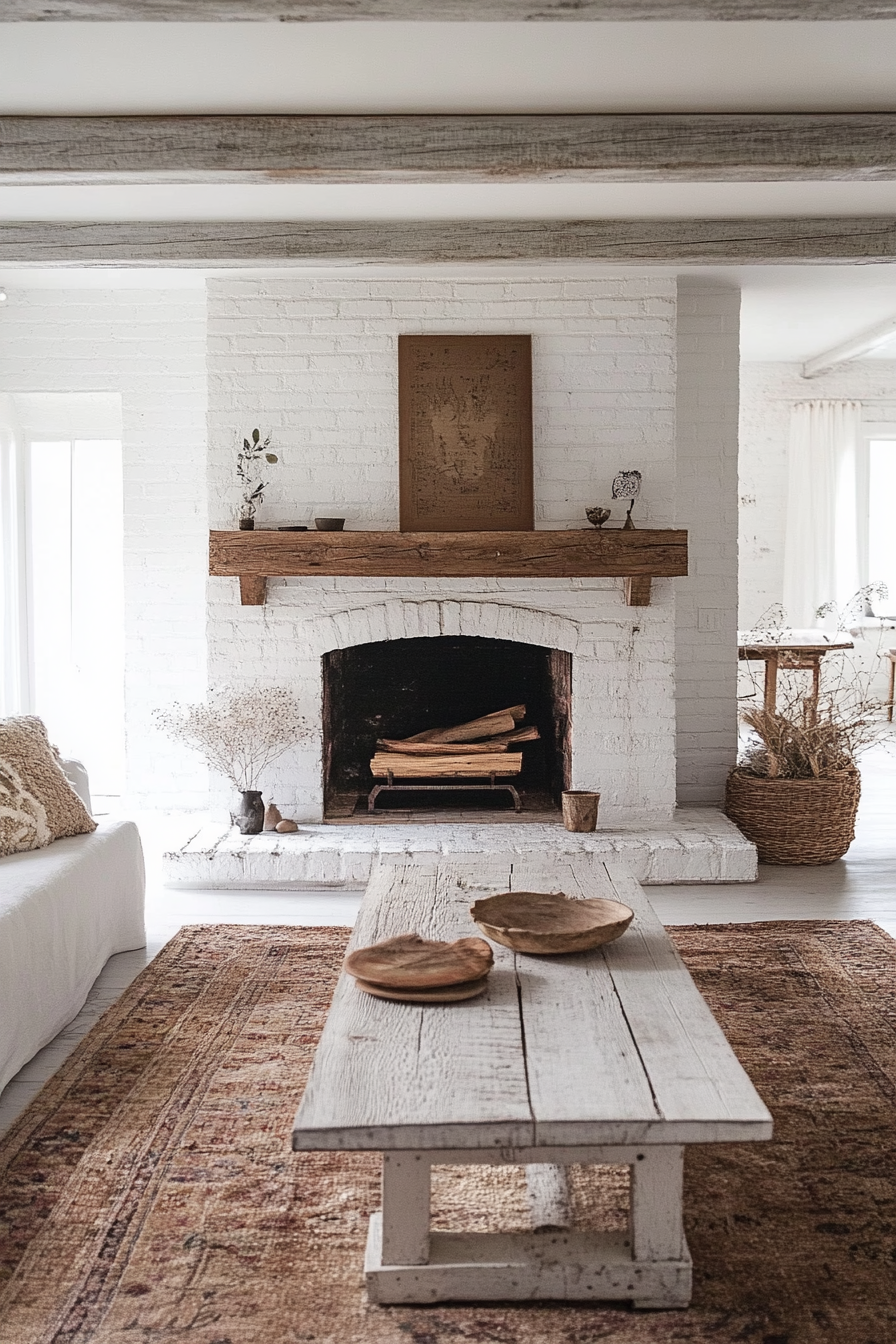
149	1194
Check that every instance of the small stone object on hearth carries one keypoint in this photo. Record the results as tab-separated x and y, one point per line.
286	827
272	815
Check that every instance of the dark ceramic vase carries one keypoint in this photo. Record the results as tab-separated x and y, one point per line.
247	524
250	817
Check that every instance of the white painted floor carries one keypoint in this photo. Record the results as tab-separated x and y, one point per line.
861	886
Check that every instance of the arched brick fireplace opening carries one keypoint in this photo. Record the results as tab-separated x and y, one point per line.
398	687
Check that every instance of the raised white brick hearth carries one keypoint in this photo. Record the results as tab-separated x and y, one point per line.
698	845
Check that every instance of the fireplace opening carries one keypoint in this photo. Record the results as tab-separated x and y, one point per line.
400	687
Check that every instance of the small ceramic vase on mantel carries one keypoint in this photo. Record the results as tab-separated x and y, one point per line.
249	820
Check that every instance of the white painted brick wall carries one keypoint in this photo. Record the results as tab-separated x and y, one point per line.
149	346
706	601
313	361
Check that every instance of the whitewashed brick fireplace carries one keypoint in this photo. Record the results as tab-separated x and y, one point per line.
312	360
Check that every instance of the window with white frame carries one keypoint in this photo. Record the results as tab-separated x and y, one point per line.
63	591
877	512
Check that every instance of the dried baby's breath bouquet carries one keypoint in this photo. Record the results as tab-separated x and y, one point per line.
240	733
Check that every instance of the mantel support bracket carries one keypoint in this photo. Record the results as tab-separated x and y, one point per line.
637	590
253	590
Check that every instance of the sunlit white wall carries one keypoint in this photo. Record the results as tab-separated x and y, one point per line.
76	601
143	347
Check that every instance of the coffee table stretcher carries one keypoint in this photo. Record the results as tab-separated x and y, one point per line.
619	1062
650	1265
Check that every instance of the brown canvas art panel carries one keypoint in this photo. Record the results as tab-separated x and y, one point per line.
465	433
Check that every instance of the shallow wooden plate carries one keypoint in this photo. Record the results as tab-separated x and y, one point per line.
439	994
550	922
410	962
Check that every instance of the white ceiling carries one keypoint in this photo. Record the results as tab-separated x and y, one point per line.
795	312
92	68
473	200
789	313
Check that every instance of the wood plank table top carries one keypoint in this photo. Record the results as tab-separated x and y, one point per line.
610	1047
790	650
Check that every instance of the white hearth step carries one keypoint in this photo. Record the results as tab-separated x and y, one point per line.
697	845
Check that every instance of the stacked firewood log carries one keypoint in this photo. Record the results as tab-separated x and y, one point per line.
480	747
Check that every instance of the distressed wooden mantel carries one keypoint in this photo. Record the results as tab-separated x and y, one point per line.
636	555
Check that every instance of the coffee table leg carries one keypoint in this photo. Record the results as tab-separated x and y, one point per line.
406	1185
657	1228
650	1267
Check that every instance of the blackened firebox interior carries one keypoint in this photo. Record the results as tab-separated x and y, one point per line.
399	687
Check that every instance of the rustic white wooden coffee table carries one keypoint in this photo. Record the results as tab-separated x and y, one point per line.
609	1056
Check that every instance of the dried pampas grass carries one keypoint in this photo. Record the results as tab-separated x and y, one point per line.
792	746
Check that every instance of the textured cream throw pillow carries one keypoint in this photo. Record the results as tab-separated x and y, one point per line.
37	803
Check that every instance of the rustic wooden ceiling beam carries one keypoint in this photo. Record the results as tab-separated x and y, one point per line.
492	11
662	241
644	148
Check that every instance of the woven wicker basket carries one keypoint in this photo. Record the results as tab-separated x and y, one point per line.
795	820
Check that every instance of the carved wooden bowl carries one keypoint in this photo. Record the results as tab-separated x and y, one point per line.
409	962
440	994
550	922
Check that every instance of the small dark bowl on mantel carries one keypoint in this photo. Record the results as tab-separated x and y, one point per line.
597	516
329	524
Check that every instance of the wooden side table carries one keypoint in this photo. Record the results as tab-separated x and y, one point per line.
891	654
798	653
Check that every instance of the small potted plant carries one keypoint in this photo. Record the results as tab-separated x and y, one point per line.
248	463
240	733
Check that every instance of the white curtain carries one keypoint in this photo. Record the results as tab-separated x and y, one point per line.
15	663
821	544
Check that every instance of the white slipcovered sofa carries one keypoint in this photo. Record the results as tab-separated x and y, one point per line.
64	910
